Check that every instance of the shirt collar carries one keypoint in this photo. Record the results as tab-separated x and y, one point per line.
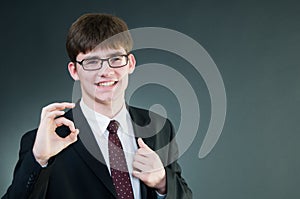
100	121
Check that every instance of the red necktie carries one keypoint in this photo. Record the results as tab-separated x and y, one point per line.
118	166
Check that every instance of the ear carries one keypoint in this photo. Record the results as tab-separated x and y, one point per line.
73	71
132	62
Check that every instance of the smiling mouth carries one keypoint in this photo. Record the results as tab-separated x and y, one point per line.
107	84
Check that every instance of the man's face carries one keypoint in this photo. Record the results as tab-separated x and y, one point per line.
106	85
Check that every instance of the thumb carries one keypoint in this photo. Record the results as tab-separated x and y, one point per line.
72	137
142	144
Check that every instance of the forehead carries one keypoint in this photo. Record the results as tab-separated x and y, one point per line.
101	53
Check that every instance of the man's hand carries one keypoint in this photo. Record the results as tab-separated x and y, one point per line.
47	142
148	167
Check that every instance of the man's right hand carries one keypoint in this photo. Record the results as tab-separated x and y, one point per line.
47	142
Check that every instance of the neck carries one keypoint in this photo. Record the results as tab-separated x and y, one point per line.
109	109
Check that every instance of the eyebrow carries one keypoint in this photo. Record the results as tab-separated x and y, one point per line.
107	56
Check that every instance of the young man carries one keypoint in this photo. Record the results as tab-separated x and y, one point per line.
114	155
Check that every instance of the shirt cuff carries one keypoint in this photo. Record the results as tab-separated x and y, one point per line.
160	196
45	165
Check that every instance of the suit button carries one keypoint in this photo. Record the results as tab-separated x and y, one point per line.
31	180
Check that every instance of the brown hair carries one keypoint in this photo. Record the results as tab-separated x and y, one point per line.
90	30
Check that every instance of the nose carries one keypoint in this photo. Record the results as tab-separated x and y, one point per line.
105	70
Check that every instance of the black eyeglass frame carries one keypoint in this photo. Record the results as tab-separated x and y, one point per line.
102	61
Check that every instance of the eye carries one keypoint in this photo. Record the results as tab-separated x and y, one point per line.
91	62
116	59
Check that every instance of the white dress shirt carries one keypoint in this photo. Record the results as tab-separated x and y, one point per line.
99	123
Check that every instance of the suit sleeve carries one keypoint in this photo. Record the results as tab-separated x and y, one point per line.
27	173
177	187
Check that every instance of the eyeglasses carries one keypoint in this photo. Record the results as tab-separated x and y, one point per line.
92	64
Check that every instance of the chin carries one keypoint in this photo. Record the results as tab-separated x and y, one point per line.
104	100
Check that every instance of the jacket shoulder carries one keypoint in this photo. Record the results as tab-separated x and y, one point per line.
144	117
27	140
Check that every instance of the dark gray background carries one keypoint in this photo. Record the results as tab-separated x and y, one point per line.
255	45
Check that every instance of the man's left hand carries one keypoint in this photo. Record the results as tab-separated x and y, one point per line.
148	167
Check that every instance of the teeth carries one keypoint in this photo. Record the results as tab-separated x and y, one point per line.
106	83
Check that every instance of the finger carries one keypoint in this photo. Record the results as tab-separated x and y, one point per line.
139	166
73	136
142	144
59	106
144	152
140	175
56	106
64	121
136	174
54	114
140	158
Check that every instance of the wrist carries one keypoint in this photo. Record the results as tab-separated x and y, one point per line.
40	159
161	187
162	191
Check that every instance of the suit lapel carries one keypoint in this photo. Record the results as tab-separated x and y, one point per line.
142	126
142	129
89	151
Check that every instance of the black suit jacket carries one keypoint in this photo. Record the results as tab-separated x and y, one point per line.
79	171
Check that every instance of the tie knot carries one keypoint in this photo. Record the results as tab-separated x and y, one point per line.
113	126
